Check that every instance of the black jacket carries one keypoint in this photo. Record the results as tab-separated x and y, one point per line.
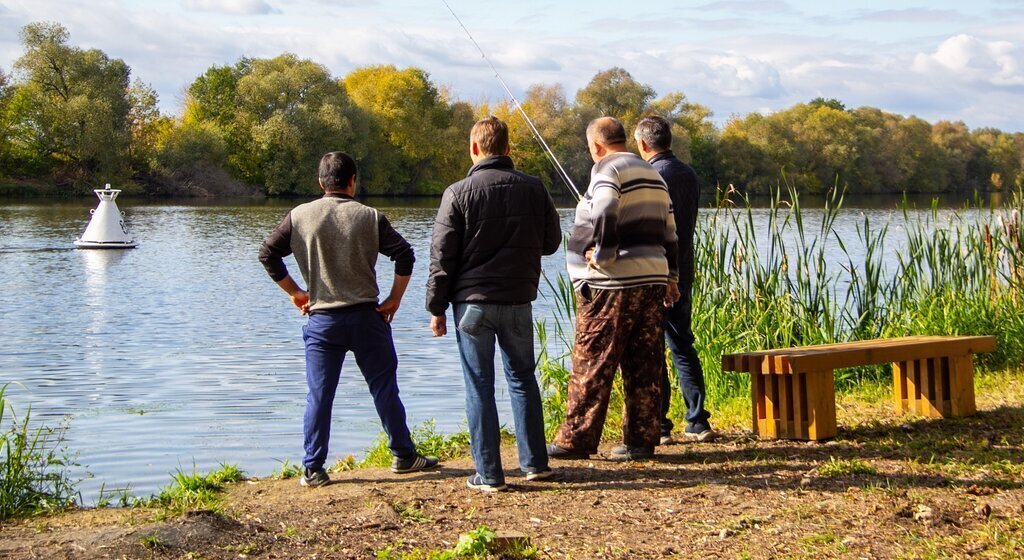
491	230
684	190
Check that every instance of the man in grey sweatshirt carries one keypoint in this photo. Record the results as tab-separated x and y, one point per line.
335	241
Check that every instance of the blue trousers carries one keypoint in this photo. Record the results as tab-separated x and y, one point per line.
477	328
680	341
329	337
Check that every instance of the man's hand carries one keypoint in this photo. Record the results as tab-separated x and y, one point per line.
672	294
301	300
589	255
439	325
388	309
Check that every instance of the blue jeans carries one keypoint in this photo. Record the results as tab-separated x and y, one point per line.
477	327
329	337
691	375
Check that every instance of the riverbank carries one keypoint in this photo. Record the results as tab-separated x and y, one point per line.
886	487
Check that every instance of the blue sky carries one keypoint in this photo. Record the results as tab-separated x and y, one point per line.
938	59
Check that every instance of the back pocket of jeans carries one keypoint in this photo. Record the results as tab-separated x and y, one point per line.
472	320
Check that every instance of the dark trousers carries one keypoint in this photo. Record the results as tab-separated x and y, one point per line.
329	337
691	375
615	328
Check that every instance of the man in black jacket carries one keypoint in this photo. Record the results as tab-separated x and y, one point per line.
654	138
491	230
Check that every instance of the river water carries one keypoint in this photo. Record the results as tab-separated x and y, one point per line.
182	353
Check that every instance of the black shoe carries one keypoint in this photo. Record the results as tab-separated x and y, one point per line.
699	432
631	453
314	478
413	463
556	452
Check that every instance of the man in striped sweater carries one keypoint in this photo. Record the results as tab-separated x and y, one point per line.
622	262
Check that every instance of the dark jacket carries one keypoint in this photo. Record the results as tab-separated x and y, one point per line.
684	189
489	235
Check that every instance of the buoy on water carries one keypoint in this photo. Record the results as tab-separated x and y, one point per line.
106	229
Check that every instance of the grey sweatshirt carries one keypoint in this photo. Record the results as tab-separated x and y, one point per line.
335	241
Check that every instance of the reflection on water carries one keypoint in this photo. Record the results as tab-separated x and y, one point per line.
182	352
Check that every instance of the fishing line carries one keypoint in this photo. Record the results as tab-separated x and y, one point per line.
536	133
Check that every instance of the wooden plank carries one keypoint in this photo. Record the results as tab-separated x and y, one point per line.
771	399
943	388
864	352
785	408
961	380
799	405
821	404
757	402
912	383
924	400
899	387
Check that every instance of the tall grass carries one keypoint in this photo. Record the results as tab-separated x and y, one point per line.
34	466
785	276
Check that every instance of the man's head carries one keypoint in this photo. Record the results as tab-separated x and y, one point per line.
653	135
605	136
489	137
337	173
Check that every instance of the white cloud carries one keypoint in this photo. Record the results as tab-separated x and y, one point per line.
238	7
964	58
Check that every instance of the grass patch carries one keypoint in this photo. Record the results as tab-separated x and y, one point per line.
429	441
288	470
478	544
193	490
34	463
845	467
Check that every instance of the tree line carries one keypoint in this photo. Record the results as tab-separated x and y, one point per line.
72	119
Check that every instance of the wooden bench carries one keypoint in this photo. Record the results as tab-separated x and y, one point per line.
793	391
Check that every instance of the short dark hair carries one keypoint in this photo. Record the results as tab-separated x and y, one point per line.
336	170
606	131
491	135
655	131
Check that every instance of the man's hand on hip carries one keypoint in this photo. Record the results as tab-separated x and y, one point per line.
439	325
389	307
672	294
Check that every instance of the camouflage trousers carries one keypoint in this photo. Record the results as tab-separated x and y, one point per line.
616	329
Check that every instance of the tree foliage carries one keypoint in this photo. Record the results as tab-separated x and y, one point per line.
71	116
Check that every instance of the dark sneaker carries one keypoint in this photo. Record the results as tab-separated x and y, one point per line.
630	453
540	475
556	452
476	482
666	440
412	463
699	432
314	478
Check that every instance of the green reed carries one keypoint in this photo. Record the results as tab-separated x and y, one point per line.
782	276
34	466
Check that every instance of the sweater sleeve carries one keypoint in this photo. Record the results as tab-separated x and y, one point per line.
445	251
394	246
275	248
605	219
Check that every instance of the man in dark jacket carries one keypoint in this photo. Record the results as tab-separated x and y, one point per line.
654	138
335	241
491	230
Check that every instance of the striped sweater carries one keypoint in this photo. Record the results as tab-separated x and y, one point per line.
626	217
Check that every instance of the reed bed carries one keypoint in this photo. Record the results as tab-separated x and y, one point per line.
787	276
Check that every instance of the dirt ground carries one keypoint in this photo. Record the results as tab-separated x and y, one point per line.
888	488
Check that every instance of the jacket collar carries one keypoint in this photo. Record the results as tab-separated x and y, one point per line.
667	154
492	162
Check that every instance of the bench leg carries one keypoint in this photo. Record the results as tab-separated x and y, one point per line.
793	406
934	387
821	405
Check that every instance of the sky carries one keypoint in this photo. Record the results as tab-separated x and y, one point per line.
941	59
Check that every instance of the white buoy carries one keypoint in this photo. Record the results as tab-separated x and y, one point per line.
106	229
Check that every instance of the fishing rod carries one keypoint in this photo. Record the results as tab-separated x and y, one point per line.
536	133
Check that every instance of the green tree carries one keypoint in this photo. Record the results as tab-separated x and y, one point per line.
6	124
694	136
831	103
615	93
77	104
144	125
407	115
